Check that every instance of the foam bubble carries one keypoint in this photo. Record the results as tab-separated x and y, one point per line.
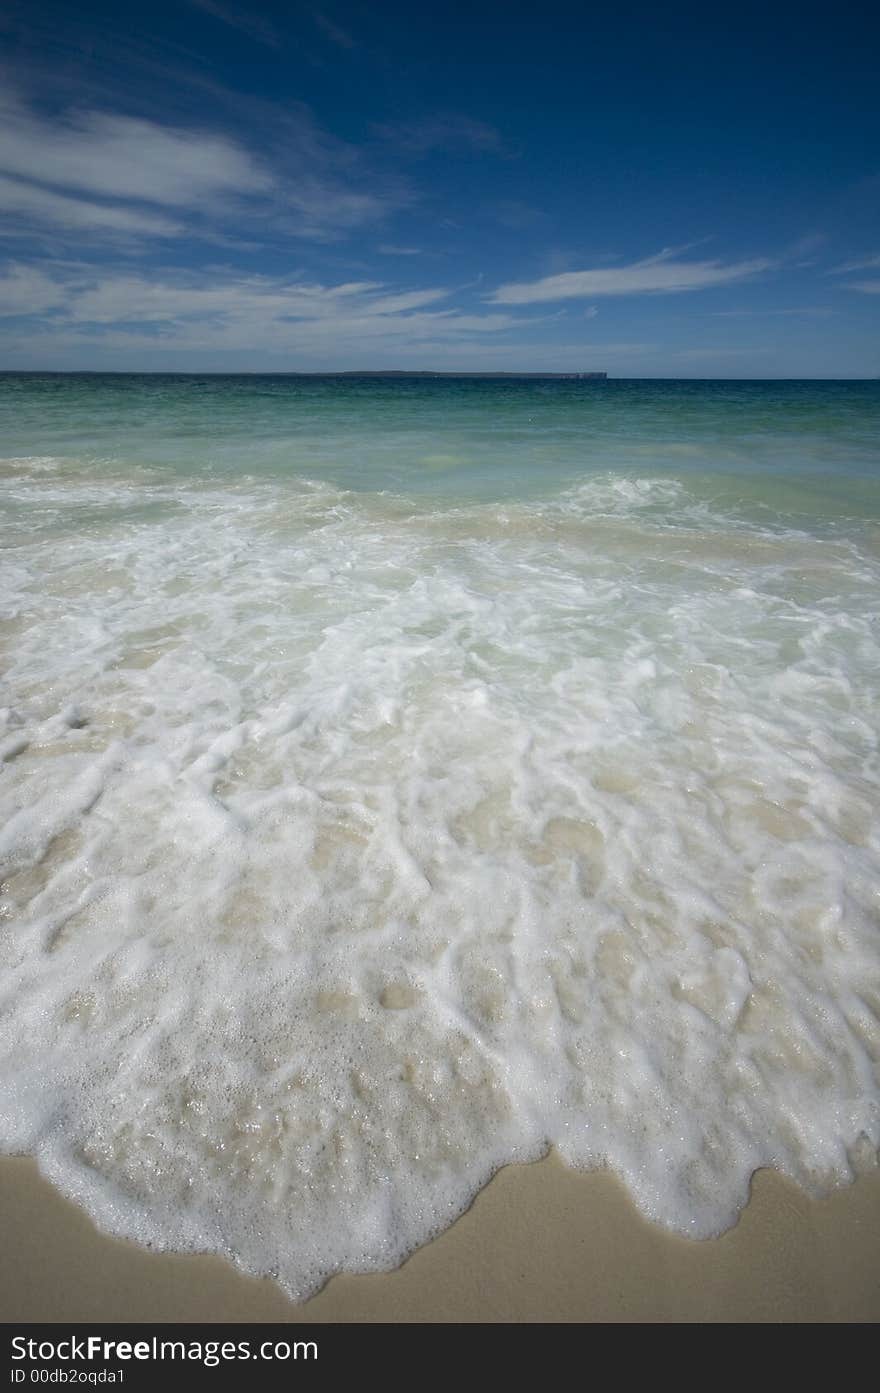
354	848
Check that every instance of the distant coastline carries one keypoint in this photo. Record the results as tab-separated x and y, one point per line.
403	372
349	372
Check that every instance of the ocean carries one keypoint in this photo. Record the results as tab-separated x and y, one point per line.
403	777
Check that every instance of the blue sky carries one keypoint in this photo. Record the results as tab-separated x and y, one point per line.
206	185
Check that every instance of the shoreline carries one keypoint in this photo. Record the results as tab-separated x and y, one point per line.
539	1243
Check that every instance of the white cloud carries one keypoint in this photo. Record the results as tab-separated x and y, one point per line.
868	263
125	157
30	204
661	274
25	290
263	299
324	209
226	313
115	175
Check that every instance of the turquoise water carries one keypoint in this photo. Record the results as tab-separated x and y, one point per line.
466	438
398	778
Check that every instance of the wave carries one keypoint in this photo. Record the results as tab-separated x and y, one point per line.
356	846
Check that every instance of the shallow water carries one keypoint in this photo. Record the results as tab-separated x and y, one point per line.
400	778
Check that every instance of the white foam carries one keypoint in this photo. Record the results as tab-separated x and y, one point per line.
354	849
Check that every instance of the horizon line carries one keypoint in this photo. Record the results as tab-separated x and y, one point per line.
594	375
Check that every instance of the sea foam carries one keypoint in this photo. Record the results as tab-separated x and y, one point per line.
354	847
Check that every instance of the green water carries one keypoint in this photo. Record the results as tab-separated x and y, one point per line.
805	448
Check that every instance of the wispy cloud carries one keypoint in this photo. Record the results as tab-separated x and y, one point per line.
245	21
803	251
116	175
864	263
445	131
333	31
235	314
388	249
519	216
26	290
709	353
867	263
125	157
802	311
323	210
660	274
32	205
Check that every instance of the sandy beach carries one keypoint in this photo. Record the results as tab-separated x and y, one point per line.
540	1243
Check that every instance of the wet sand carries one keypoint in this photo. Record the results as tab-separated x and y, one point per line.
541	1243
